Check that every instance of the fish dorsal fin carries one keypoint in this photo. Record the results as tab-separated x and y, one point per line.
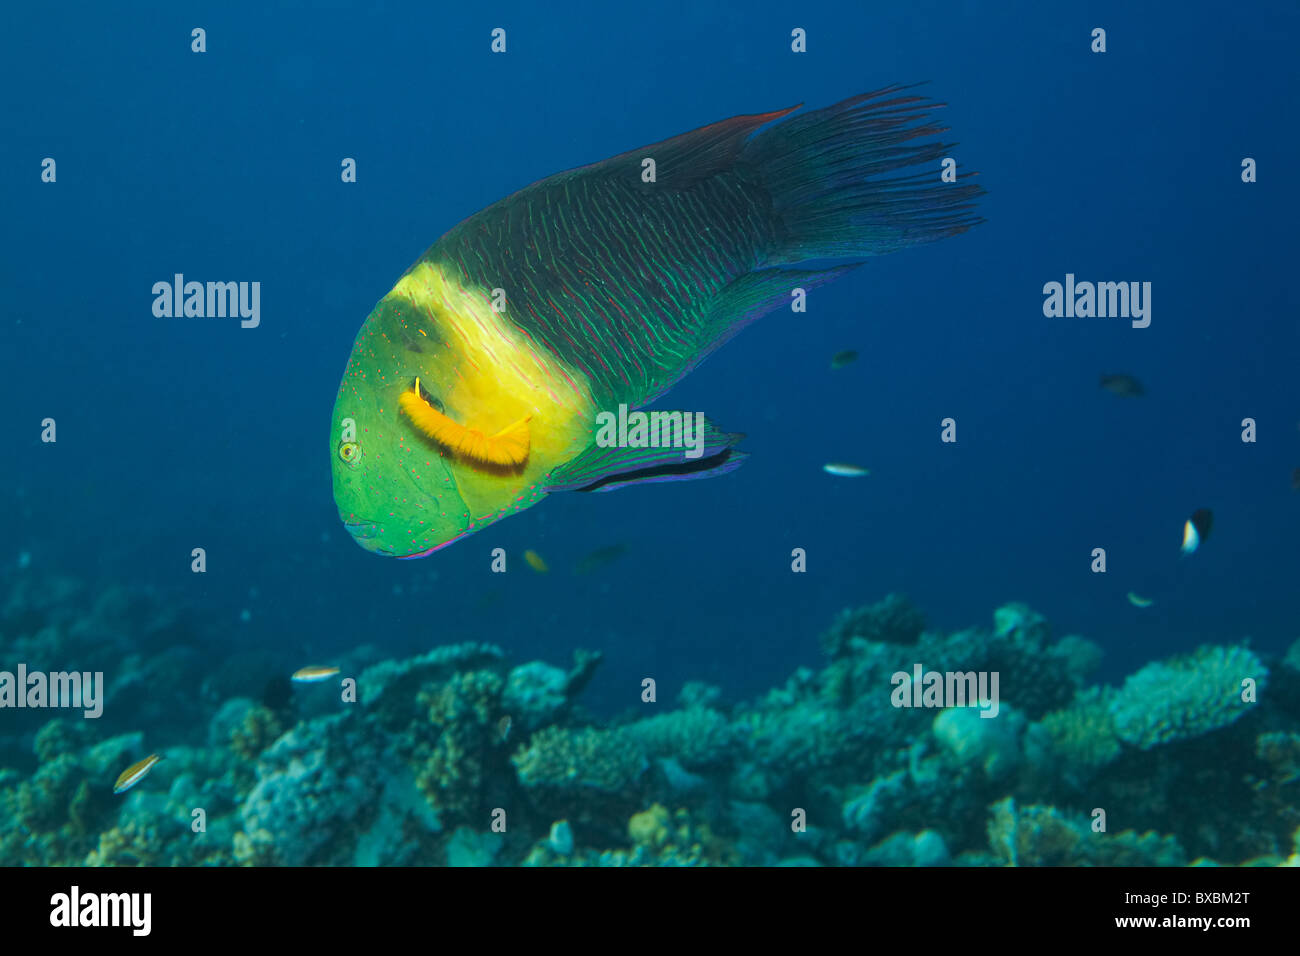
508	447
686	159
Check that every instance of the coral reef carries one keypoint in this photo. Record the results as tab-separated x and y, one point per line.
605	761
891	620
314	789
457	756
1042	836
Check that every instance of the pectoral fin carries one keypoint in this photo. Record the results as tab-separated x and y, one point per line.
605	469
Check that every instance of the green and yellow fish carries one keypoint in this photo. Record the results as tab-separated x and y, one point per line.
492	373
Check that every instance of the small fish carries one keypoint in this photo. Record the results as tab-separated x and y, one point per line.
600	557
844	471
503	727
1125	386
1139	601
535	561
841	359
135	773
313	675
1197	529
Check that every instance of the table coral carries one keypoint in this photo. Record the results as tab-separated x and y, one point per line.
1186	696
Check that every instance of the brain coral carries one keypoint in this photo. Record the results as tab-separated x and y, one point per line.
1185	697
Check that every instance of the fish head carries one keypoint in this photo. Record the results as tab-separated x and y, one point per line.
396	495
433	350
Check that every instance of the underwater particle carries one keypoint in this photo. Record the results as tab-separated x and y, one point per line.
1139	601
135	773
1197	529
1295	480
600	558
313	675
245	616
841	470
1125	386
535	561
25	558
841	359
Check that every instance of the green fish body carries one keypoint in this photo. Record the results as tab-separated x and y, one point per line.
491	375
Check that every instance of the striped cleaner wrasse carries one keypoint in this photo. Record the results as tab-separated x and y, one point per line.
486	379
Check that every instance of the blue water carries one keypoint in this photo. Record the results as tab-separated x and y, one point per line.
182	433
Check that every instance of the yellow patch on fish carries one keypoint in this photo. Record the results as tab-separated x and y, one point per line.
535	561
312	675
135	773
507	447
489	374
1139	601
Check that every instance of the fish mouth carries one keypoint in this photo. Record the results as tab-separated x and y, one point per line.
365	534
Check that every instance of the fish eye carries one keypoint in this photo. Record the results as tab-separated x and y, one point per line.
350	453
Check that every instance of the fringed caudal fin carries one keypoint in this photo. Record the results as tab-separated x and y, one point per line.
837	182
